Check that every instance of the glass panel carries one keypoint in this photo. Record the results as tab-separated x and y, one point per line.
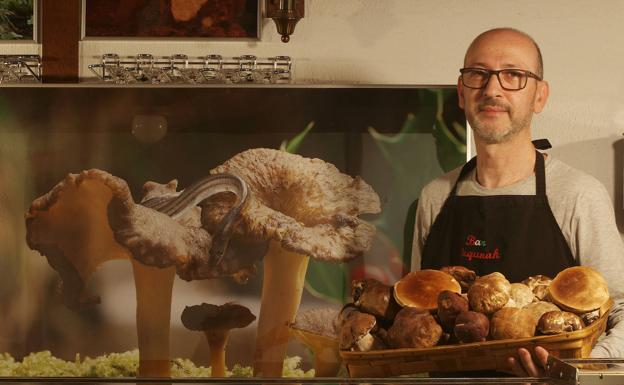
396	139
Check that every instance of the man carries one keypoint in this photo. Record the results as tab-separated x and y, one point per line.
514	209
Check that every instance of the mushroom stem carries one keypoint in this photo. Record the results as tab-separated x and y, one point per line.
284	276
326	357
217	339
326	364
153	314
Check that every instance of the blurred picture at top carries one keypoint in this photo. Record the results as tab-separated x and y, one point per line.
172	18
16	20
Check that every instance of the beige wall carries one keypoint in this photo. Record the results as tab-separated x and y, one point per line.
423	41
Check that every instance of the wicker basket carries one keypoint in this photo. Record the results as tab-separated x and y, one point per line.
489	355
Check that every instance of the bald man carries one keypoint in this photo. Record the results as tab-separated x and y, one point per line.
512	208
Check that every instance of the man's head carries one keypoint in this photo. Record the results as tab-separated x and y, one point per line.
497	114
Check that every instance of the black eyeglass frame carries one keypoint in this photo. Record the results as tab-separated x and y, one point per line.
528	75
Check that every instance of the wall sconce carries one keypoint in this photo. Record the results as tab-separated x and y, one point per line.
286	14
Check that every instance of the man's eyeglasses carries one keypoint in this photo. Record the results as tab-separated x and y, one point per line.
510	79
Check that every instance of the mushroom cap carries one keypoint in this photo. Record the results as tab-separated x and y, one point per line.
450	305
321	321
374	297
69	226
420	289
307	205
413	328
537	280
318	329
462	274
590	317
539	284
91	217
471	326
489	293
513	322
155	239
520	295
206	317
355	327
555	322
579	289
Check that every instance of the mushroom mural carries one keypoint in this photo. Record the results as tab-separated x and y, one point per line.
91	217
304	208
216	322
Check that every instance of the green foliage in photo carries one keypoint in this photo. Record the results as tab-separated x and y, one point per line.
16	19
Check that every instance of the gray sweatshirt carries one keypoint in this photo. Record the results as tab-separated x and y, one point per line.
582	208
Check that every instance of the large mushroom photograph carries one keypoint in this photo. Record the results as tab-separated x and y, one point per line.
212	250
268	204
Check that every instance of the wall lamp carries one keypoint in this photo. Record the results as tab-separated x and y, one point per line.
285	14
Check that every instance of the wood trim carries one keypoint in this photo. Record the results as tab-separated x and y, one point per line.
60	37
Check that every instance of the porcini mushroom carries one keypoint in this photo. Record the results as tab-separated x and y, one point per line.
463	275
306	208
579	289
318	330
513	322
216	323
555	322
520	295
420	289
489	293
539	284
450	305
357	332
375	298
72	227
414	328
471	326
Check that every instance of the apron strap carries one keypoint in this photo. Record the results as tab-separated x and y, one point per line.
539	169
540	175
469	166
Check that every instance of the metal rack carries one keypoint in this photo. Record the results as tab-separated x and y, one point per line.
179	68
587	371
20	69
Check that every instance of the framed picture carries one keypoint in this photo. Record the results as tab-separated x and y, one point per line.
195	19
18	20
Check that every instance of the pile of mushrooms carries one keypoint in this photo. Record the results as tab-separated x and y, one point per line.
305	208
454	305
91	217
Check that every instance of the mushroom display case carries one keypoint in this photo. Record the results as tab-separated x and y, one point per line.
132	217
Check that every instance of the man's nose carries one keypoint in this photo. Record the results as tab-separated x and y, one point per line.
493	87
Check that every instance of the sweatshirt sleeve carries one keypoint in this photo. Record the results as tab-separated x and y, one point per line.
599	245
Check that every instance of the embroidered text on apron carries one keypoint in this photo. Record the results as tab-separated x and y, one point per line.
516	235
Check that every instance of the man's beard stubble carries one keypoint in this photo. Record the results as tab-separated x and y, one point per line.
494	135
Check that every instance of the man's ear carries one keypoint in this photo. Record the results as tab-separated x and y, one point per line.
460	93
541	96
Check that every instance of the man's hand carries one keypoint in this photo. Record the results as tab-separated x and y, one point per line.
525	366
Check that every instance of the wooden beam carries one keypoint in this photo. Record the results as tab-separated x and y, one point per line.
60	36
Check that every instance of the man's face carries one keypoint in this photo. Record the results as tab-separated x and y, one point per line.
495	114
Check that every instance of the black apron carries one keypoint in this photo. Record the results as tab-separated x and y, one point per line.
516	235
